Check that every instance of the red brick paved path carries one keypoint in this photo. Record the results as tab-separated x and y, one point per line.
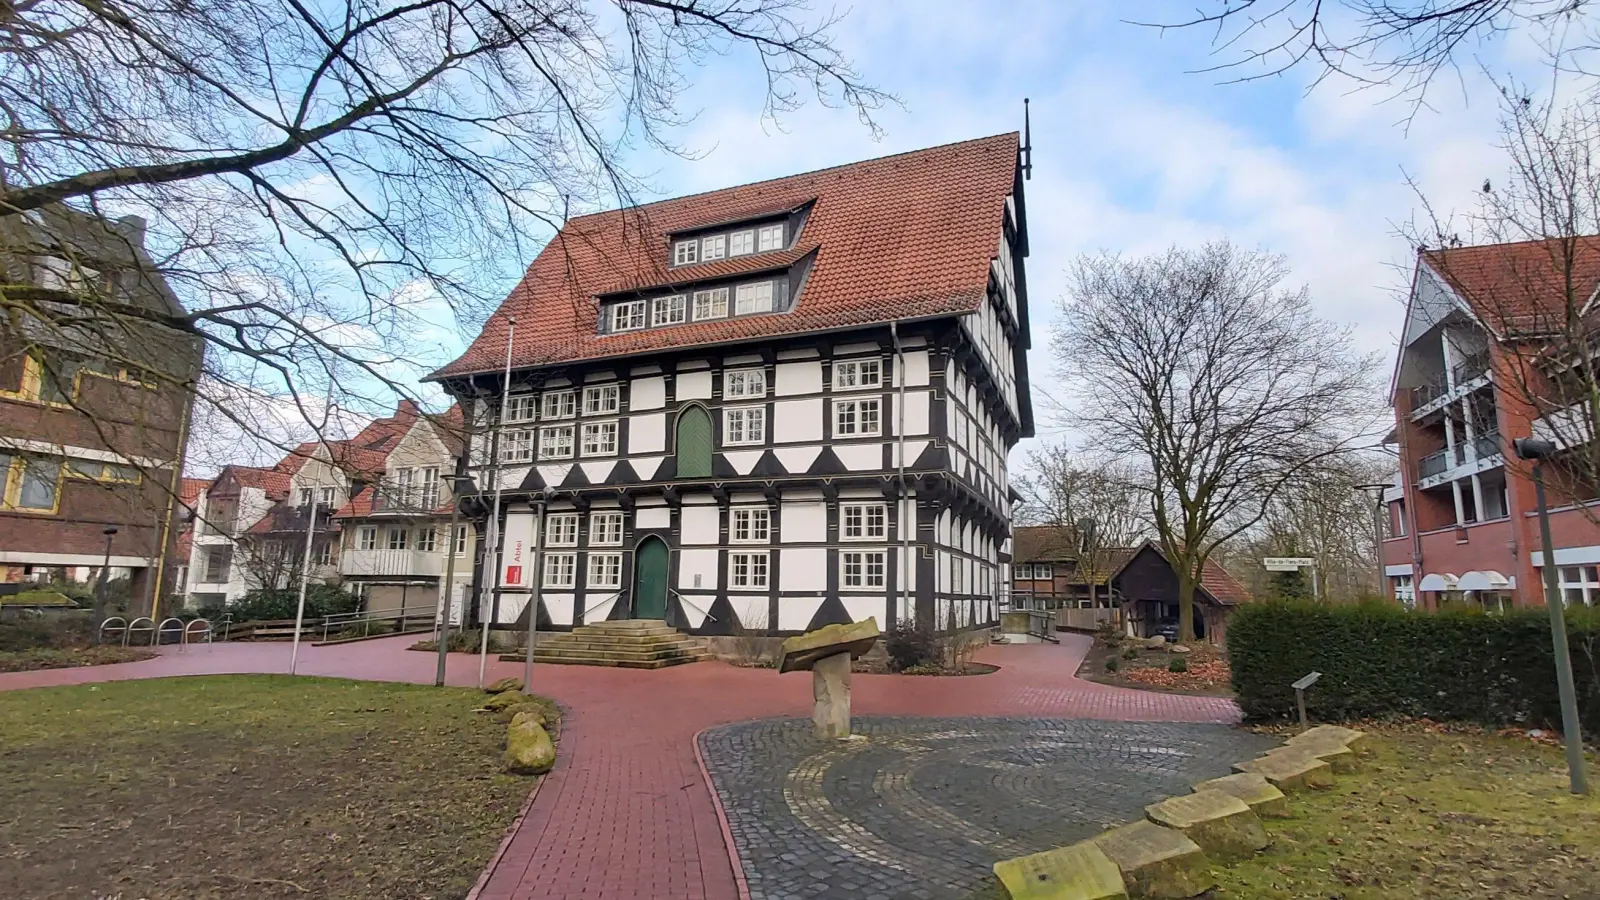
626	813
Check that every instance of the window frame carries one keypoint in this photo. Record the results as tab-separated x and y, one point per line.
762	234
856	407
517	445
556	406
14	480
856	367
718	241
865	511
748	236
598	427
744	414
749	557
629	315
426	539
367	537
676	307
605	528
742	378
609	395
608	566
754	521
459	545
522	408
397	535
557	523
1586	583
865	578
771	298
712	297
552	565
571	433
685	252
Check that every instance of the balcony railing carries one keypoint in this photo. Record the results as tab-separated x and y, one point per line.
420	563
415	498
1462	372
1435	463
1487	445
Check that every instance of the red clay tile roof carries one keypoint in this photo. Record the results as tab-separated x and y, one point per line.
899	237
272	481
1521	288
368	452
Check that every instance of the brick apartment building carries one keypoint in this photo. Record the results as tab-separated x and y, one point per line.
93	408
1479	366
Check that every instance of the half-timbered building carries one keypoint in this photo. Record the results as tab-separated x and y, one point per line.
765	408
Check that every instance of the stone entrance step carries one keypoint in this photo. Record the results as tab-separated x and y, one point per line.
629	644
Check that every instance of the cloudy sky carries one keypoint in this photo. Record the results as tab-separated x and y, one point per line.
1133	150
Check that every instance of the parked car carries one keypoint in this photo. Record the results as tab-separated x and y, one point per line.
1168	628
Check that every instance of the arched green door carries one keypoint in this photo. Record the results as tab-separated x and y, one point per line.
650	579
694	443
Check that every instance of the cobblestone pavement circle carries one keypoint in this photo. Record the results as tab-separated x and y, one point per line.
921	808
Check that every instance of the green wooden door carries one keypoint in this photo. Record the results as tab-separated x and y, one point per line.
694	443
650	580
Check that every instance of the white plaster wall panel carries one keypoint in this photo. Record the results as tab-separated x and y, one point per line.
699	499
604	503
747	497
751	609
690	365
860	493
694	386
863	608
652	517
803	569
559	607
649	369
554	474
913	450
600	608
699	524
916	367
908	518
858	347
697	608
796	460
647	433
942	528
511	607
916	413
795	613
799	353
797	420
797	378
697	562
803	521
516	566
600	375
941	570
646	466
598	472
647	393
941	609
742	461
558	382
908	573
743	359
860	457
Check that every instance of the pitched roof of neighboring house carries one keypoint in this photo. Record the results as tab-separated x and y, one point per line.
271	480
1521	287
1044	543
1214	579
895	238
189	490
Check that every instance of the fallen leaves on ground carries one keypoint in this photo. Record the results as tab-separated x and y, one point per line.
1200	676
51	658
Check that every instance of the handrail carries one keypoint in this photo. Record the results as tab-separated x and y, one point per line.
596	604
698	608
367	617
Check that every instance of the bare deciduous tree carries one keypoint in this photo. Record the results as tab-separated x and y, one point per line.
1224	385
1068	490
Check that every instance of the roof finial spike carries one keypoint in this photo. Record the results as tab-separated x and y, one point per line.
1026	152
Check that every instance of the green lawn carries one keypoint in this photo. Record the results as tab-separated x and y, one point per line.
249	786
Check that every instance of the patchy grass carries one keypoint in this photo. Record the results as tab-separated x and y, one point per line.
66	658
1434	815
249	786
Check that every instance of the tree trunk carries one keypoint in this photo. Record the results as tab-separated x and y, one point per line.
1185	606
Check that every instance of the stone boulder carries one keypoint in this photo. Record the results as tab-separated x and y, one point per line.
1180	648
503	685
526	715
505	700
1155	643
802	651
529	750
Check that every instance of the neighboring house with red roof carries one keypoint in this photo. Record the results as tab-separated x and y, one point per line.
1477	369
765	408
251	522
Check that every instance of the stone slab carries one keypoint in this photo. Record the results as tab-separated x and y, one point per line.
1349	737
802	651
1290	771
1222	824
1330	749
1157	862
1256	792
1077	872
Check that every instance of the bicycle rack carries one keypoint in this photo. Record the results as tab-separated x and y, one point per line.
127	633
155	639
189	629
121	628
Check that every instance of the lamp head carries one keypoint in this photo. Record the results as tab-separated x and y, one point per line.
109	530
1533	448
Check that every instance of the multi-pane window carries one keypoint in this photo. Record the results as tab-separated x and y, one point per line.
712	304
601	399
742	242
325	496
745	425
599	438
753	298
367	538
516	445
305	495
1405	591
605	570
561	530
849	374
744	383
560	570
398	538
404	483
747	571
769	237
521	407
426	539
714	247
560	404
1034	572
671	310
605	529
627	316
752	525
325	553
429	488
29	482
1580	585
555	442
461	540
863	522
862	569
94	470
686	252
856	417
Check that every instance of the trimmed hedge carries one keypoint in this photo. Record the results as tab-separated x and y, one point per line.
1380	660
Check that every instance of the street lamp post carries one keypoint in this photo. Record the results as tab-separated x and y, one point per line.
110	531
1377	527
447	594
1536	450
537	581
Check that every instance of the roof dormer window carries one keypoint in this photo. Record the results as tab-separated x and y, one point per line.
712	304
627	316
673	310
769	237
753	298
742	243
713	247
686	253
